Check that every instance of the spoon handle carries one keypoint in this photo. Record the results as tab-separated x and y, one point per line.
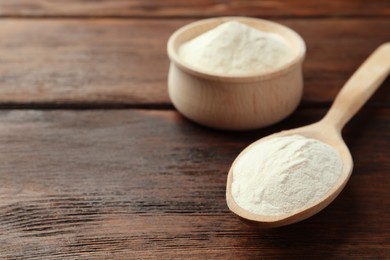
360	87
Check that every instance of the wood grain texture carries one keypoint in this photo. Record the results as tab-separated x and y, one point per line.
124	62
141	184
147	184
200	8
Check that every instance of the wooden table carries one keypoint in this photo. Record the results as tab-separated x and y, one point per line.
96	162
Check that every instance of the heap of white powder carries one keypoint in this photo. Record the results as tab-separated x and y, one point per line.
284	175
235	48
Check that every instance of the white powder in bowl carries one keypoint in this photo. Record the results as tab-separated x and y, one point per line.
235	48
285	174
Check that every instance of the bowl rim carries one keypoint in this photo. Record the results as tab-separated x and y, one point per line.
264	75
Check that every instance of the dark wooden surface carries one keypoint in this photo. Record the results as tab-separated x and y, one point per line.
199	8
97	164
116	61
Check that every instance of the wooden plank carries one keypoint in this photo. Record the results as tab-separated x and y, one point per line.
200	8
151	185
110	61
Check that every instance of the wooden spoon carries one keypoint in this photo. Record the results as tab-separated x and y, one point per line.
351	98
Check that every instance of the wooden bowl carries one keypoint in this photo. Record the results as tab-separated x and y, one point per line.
235	102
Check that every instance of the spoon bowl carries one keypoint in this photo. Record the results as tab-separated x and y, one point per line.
320	131
358	89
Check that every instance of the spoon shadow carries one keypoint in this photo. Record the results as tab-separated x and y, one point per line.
321	235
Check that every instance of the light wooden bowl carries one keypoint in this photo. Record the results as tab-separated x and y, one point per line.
235	102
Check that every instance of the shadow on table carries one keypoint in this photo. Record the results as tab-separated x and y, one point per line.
321	235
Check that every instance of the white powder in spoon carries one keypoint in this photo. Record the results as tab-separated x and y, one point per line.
235	48
284	175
